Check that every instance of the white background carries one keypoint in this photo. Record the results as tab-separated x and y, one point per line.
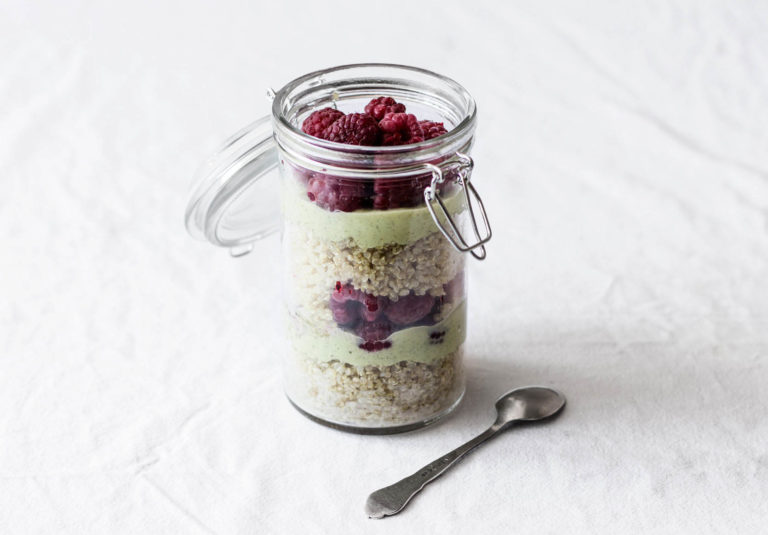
623	152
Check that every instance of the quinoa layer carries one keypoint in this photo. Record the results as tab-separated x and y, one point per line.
399	394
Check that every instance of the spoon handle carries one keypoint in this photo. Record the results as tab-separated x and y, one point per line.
392	499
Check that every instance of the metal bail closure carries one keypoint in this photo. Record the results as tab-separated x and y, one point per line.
452	233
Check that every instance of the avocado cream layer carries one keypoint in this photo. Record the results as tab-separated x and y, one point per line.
415	344
367	228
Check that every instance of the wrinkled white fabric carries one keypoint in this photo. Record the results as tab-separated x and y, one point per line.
623	154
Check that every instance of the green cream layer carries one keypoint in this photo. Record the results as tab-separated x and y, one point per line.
367	228
411	344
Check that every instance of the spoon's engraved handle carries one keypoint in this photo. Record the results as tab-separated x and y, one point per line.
393	499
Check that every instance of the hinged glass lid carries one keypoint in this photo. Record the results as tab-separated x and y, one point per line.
235	200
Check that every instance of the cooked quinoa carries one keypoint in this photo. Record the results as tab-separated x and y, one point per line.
399	394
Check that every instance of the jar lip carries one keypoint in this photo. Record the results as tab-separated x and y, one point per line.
281	122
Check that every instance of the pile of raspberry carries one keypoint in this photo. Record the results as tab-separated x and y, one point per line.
375	318
384	123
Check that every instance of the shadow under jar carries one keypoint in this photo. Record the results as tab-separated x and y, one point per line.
373	243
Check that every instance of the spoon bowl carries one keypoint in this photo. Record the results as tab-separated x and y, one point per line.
528	404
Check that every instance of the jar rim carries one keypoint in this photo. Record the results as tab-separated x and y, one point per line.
315	80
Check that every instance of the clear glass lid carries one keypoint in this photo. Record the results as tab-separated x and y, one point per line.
235	200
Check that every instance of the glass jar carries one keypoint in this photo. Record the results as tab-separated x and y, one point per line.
373	242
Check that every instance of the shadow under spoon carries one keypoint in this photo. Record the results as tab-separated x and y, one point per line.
527	404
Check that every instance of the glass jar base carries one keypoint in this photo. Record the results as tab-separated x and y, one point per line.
385	430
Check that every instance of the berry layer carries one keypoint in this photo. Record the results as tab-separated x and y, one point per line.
424	343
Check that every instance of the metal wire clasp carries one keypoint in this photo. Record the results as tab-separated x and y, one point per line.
452	233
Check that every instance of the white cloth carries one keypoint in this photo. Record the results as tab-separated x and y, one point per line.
623	155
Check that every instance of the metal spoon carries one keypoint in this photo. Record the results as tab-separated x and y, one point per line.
528	404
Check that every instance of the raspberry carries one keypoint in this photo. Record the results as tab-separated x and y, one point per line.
400	129
454	288
333	193
454	291
399	192
373	306
369	306
344	292
374	331
432	129
379	107
437	337
375	346
354	129
344	313
319	120
409	309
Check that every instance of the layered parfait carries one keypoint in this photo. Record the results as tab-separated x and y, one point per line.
374	292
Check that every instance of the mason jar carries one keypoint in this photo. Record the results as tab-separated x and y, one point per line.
374	243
